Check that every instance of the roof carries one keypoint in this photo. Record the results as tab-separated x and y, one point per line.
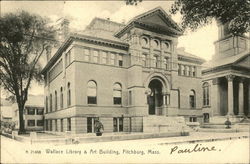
173	27
182	53
35	100
225	61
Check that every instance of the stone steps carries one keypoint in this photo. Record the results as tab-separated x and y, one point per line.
157	124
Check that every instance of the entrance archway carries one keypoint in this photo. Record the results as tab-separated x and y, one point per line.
155	97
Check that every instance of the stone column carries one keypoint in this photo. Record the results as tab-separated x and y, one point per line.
241	97
215	97
230	96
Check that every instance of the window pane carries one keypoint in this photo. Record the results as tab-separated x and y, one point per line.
39	112
95	57
39	122
112	59
104	57
31	122
31	111
120	124
117	100
86	54
115	125
91	100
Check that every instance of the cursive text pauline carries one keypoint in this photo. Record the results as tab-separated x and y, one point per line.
196	148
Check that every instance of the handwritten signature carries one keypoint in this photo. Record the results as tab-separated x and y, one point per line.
196	148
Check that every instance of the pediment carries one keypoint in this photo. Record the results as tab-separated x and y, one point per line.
160	20
244	62
157	20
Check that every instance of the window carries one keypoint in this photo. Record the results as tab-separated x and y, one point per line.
117	94
193	71
69	96
183	70
95	56
155	61
205	94
165	46
179	69
192	119
39	111
56	125
46	125
144	42
50	103
155	44
112	59
50	125
30	111
55	100
39	122
192	99
46	104
104	57
129	97
31	122
61	125
68	124
187	71
165	61
91	92
91	124
61	98
120	61
118	124
86	54
144	60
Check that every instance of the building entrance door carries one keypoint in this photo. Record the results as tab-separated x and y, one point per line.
155	97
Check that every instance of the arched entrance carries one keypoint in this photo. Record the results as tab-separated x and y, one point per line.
155	96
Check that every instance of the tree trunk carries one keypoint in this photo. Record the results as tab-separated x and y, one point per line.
21	120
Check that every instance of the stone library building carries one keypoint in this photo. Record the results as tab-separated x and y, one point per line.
131	77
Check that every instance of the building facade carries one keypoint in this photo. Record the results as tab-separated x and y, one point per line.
33	114
130	76
226	78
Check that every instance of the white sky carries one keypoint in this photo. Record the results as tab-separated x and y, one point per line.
199	43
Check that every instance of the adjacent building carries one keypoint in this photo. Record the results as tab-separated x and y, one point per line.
33	113
131	77
226	78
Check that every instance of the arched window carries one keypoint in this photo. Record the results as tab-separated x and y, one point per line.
55	100
92	92
192	99
155	44
117	94
144	42
50	102
165	46
61	98
69	95
205	87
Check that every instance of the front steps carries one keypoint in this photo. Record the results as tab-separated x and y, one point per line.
159	124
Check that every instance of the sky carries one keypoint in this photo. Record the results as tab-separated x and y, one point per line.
80	13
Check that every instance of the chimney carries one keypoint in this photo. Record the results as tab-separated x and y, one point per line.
65	28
